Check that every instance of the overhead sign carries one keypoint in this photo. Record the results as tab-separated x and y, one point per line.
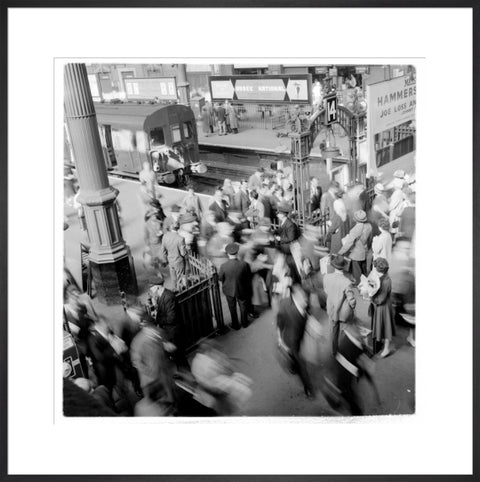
294	89
331	110
163	88
390	104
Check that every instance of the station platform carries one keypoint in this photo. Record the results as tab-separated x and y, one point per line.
253	350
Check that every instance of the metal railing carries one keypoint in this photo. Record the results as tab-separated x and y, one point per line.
199	303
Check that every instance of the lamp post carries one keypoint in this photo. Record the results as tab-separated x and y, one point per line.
109	255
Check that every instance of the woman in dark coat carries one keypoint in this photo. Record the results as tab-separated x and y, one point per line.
381	310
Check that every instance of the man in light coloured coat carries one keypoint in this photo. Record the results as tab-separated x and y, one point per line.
357	243
174	251
340	298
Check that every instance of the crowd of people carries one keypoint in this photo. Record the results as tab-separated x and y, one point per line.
264	261
220	119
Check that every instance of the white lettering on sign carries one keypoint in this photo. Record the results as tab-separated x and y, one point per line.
332	110
393	103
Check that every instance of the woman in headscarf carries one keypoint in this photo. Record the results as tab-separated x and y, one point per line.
340	226
381	310
379	209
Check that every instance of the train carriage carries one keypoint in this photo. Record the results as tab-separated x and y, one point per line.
164	135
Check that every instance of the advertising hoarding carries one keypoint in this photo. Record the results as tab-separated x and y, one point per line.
165	88
278	89
390	104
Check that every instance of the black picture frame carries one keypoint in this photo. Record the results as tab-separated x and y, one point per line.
11	4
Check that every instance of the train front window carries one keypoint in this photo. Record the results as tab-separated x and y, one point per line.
176	136
187	130
157	137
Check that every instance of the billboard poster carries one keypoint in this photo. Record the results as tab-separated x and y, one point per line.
390	104
278	89
164	88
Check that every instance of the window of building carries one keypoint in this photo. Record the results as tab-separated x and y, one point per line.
157	137
176	135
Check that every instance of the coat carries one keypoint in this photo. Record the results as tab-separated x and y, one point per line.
104	359
326	203
232	117
291	324
381	311
337	231
357	242
338	288
288	232
382	246
315	199
149	358
167	316
205	116
241	201
220	213
236	278
173	248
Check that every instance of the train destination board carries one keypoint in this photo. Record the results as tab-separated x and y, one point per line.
295	89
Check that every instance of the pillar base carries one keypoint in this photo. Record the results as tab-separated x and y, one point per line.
110	279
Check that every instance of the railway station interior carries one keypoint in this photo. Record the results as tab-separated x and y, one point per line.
239	240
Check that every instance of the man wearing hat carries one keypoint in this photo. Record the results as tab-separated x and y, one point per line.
173	250
340	298
166	318
357	243
256	179
172	218
288	231
189	231
236	279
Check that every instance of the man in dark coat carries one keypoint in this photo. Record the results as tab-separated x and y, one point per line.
291	323
236	279
288	231
166	318
219	206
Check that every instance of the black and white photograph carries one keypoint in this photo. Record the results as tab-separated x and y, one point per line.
217	240
239	239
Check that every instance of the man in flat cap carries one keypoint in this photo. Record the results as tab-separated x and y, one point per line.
236	279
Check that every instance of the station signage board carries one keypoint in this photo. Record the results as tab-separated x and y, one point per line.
277	89
139	88
390	104
331	110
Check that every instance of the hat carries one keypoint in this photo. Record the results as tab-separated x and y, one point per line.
232	248
360	216
379	188
284	207
338	262
175	208
400	173
187	218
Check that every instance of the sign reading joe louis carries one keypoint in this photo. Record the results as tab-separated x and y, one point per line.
391	103
277	89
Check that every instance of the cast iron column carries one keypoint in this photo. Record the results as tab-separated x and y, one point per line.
301	176
183	85
110	261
